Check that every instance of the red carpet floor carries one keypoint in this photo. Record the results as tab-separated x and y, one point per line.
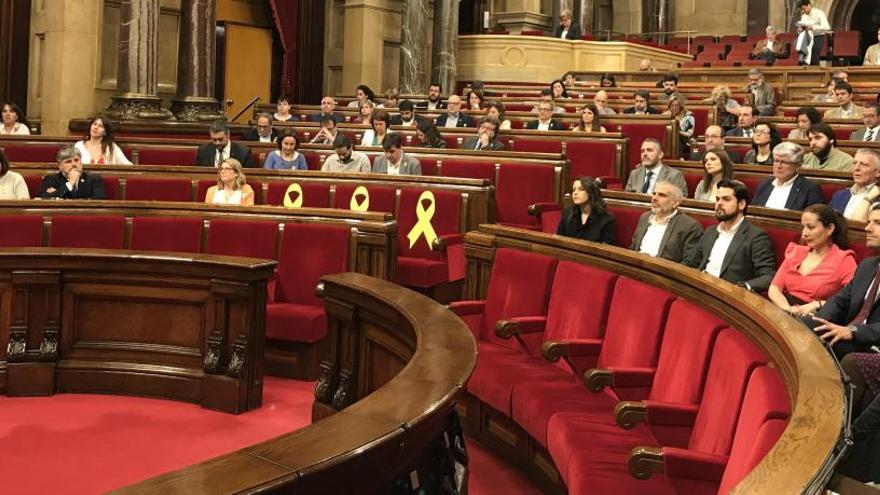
88	444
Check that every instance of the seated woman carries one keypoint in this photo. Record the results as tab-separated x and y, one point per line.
12	185
816	270
381	122
718	167
13	121
366	113
231	188
286	157
806	116
475	101
589	121
765	138
98	145
495	109
429	136
362	94
569	79
282	110
607	80
587	218
685	120
391	99
558	90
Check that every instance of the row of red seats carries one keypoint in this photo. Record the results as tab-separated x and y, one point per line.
731	50
713	406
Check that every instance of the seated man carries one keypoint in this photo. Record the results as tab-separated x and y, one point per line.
714	141
486	138
601	102
327	106
666	232
454	116
263	131
761	95
345	160
547	96
644	177
642	104
865	174
872	54
434	101
545	120
220	148
407	116
670	87
846	109
734	249
71	182
394	161
645	65
328	132
823	154
787	190
871	118
745	124
769	48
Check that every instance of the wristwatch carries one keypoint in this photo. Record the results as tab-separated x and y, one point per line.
852	328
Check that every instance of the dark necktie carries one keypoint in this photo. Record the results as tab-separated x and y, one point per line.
647	184
869	301
869	136
747	133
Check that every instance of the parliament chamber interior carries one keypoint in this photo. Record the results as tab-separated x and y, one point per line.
440	247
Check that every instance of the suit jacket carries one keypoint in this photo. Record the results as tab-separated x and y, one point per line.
749	257
682	235
846	304
464	120
253	135
804	193
777	48
555	125
650	110
871	54
840	199
318	117
423	105
735	132
574	32
763	99
859	135
207	155
838	113
637	178
408	165
471	143
91	186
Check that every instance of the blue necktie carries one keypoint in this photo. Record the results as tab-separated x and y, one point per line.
647	184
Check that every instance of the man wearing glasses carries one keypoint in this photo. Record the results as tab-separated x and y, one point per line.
787	190
263	131
545	120
220	148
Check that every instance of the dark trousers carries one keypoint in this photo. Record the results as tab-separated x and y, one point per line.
864	461
818	43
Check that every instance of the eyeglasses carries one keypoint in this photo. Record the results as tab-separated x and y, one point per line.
227	168
764	132
782	162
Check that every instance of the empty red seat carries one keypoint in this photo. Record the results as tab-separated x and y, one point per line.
251	238
166	156
374	198
592	159
469	169
166	234
99	232
22	152
422	265
152	189
111	186
520	186
309	195
33	184
21	231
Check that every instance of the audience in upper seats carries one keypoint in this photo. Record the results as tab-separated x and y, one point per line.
71	182
717	167
745	124
567	28
769	48
600	99
829	96
642	104
362	94
345	160
590	120
666	232
786	189
429	136
381	122
816	270
643	178
734	249
486	138
12	184
478	87
434	101
558	90
871	118
823	153
669	83
262	131
98	145
545	120
327	133
806	116
282	110
714	141
727	108
496	110
13	120
607	80
846	109
231	188
221	147
569	79
855	201
815	23
453	116
587	218
547	96
365	113
764	139
761	95
840	74
645	65
328	103
391	99
394	161
872	54
685	121
475	101
286	157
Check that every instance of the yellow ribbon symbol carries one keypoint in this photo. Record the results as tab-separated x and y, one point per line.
423	225
295	203
363	205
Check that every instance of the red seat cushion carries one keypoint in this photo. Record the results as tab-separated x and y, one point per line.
99	232
150	189
21	231
166	234
421	272
253	238
295	322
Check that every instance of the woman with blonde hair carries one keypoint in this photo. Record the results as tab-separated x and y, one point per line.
725	105
231	188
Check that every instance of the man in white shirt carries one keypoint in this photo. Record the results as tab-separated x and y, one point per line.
815	22
345	160
263	131
865	174
644	177
871	118
545	120
786	189
666	232
453	116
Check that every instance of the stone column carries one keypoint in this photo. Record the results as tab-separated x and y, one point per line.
414	46
195	63
137	73
584	15
445	41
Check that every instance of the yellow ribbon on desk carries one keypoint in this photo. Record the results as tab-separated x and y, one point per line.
363	205
295	203
423	225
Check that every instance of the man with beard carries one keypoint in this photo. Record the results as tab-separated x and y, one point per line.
787	189
823	155
714	141
761	95
434	102
734	249
644	177
665	232
670	87
745	124
221	147
642	104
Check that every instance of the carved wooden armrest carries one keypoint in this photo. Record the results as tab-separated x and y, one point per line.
633	377
684	463
467	308
538	208
644	462
630	413
444	241
552	350
506	329
597	379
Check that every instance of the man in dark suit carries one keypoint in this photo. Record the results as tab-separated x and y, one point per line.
434	102
713	140
263	132
486	136
665	232
453	116
568	29
865	173
545	120
787	189
734	249
642	104
745	124
220	148
71	182
871	118
327	106
407	116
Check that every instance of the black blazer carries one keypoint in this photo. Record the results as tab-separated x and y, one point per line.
574	32
253	135
91	186
599	228
555	125
749	258
735	132
207	154
464	120
804	193
318	117
846	304
423	105
650	110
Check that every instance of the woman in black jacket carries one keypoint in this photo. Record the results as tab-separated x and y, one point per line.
587	218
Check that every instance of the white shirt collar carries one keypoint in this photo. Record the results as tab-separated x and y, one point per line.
787	183
732	230
665	221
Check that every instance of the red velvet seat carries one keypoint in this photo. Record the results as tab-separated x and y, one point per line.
592	159
626	218
33	184
252	238
468	169
166	234
381	199
99	232
421	266
38	153
520	186
111	186
21	231
150	189
314	195
166	156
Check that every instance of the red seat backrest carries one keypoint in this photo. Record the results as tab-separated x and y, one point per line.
166	156
446	220
315	195
638	132
150	189
780	238
534	145
381	198
520	186
33	184
591	158
21	231
111	186
99	232
468	169
166	234
829	188
252	238
692	180
626	218
30	152
308	252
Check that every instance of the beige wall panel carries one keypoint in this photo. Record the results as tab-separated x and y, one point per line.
628	16
248	67
718	18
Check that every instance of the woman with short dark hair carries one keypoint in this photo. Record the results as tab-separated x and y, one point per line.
587	218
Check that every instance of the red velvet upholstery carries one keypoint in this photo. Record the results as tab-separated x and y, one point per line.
150	189
468	169
780	239
591	158
381	198
420	266
166	156
23	152
21	231
626	218
101	232
314	195
253	238
33	184
638	132
520	186
166	234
